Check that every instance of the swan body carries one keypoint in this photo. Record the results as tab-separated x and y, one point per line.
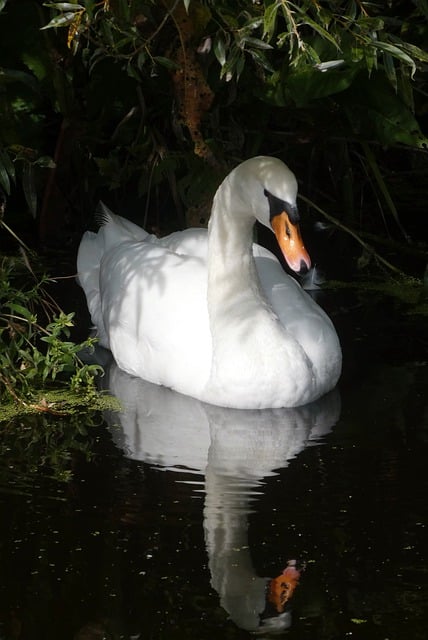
209	313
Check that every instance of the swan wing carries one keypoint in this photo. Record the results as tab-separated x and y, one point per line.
155	313
302	317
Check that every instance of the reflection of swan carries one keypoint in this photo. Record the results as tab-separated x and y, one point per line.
235	450
195	312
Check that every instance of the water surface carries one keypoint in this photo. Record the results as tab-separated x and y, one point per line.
186	516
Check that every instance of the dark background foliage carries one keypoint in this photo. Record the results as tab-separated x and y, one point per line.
147	104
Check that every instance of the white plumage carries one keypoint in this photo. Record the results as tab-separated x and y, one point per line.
210	314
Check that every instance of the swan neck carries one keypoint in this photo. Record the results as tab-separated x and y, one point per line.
230	257
230	230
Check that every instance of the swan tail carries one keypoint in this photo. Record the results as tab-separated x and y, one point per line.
114	229
89	256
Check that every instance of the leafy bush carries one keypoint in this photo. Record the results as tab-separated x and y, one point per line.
32	356
145	104
144	79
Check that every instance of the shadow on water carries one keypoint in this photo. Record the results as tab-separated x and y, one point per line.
195	522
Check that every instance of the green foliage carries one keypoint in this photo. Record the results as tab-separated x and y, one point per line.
34	357
138	96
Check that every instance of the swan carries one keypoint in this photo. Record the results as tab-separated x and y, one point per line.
209	313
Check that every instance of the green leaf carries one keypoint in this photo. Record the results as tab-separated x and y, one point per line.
141	60
252	23
120	44
274	90
256	43
7	162
415	51
64	6
29	186
46	162
63	20
186	5
4	178
260	59
97	56
220	48
132	71
269	23
234	64
393	128
370	56
405	85
7	170
318	28
306	83
2	4
166	62
22	311
388	63
369	24
396	52
37	62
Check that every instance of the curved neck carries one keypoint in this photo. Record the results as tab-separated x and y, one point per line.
232	272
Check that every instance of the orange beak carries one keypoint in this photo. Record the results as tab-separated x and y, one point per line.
281	589
291	243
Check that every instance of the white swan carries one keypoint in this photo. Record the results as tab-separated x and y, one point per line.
210	314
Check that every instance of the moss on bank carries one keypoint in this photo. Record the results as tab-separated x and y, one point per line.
59	402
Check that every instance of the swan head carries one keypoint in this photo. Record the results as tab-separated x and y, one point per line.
267	189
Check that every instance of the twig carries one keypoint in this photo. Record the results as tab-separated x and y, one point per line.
13	234
354	234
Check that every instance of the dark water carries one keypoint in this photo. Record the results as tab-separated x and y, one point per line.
185	513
